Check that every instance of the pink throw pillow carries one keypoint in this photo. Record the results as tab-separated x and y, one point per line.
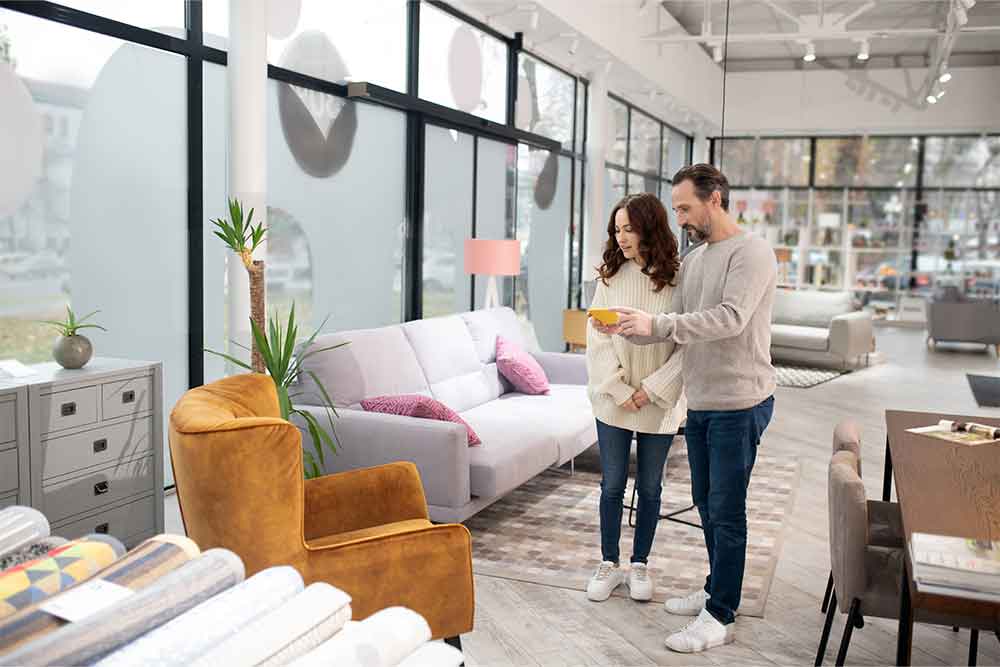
520	368
416	405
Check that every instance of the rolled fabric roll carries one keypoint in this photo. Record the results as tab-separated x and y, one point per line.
57	570
20	526
434	654
383	639
183	639
137	569
30	552
283	634
108	629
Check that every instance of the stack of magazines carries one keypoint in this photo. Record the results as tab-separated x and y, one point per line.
956	566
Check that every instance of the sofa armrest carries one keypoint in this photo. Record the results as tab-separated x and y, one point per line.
359	499
440	450
563	367
852	335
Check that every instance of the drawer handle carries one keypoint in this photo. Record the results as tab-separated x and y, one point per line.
68	409
100	445
128	396
101	488
101	528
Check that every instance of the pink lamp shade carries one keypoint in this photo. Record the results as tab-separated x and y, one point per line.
493	257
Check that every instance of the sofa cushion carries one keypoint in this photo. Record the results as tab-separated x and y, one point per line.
376	362
799	337
484	327
446	353
417	405
521	369
809	308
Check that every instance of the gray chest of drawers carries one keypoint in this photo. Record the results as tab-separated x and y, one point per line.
90	453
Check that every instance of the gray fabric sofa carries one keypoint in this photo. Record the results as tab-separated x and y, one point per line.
815	328
951	318
452	359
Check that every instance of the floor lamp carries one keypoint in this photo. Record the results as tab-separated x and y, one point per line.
492	257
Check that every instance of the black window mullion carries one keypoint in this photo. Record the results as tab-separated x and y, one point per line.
196	196
475	213
513	48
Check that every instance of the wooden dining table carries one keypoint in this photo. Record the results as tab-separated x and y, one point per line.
943	488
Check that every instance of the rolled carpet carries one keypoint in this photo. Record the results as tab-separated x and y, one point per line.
384	639
20	526
189	635
110	628
30	552
283	634
434	654
137	569
57	570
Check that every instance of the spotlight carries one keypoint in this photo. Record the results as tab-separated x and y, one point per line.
574	45
864	51
810	55
968	4
945	73
607	66
717	53
961	17
644	6
941	93
931	99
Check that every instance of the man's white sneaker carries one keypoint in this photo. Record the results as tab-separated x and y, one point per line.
640	586
607	578
700	634
692	605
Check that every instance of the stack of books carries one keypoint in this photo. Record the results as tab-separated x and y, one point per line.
956	566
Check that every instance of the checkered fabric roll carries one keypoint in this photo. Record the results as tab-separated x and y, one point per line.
383	639
21	526
30	552
107	630
59	569
137	569
284	634
182	640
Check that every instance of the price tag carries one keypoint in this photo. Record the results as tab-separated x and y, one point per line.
88	598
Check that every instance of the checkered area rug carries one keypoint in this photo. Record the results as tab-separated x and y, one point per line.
547	531
803	378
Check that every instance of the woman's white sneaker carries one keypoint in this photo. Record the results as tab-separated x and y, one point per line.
607	578
640	586
692	605
700	634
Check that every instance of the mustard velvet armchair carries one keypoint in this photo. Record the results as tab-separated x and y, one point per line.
238	470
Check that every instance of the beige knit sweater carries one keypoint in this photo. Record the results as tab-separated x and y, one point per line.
617	368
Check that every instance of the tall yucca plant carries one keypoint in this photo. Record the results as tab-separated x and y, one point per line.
277	348
243	239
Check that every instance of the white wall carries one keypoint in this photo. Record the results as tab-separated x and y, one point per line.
859	101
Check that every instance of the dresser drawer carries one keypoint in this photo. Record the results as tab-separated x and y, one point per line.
92	490
100	446
8	470
126	397
66	409
8	421
8	501
134	519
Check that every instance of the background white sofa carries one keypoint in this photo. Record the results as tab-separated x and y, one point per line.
814	328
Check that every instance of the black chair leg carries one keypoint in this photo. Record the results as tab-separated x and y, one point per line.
954	628
826	596
455	641
973	647
852	620
831	610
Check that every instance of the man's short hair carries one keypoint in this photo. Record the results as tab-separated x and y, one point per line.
706	179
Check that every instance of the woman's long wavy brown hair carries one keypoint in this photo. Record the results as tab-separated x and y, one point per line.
657	243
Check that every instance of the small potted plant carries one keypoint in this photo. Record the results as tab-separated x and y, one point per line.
71	349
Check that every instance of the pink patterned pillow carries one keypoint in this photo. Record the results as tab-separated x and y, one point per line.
416	405
520	368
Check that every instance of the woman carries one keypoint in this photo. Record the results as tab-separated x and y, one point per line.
635	390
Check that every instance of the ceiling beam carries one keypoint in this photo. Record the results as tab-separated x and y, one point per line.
818	35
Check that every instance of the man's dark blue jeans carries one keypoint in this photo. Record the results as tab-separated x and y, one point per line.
722	448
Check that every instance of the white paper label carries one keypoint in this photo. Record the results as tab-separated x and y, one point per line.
81	601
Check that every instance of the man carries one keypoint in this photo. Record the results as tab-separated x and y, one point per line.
722	317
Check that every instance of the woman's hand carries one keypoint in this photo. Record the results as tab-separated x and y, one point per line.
606	329
630	406
632	322
641	399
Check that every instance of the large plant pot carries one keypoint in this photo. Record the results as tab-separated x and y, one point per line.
72	351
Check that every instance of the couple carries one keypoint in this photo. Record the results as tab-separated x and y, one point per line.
704	326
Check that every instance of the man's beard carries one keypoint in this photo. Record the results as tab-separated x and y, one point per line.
699	233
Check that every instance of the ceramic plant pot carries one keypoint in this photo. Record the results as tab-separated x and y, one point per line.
72	351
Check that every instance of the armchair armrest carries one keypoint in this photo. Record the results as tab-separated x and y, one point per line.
360	499
852	335
440	450
563	367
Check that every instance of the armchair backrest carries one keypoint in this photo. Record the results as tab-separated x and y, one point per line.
238	470
846	437
848	507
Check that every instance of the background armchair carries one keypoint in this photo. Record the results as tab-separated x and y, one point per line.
238	469
953	319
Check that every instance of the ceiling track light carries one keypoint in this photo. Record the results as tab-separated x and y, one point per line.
717	53
574	46
967	4
961	15
945	76
608	64
810	55
932	98
644	6
533	20
864	50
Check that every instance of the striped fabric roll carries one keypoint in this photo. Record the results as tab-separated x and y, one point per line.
183	639
20	526
383	639
137	569
434	654
108	629
59	569
30	552
284	634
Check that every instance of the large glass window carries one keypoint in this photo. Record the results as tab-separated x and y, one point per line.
962	162
495	186
617	131
644	145
544	100
736	158
782	162
460	66
871	161
162	15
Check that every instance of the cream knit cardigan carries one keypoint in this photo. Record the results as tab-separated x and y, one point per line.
616	368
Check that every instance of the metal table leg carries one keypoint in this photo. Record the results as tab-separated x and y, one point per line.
887	475
904	641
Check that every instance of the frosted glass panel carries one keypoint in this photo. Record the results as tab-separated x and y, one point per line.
495	205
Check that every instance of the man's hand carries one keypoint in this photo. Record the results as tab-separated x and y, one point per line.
640	398
632	322
606	329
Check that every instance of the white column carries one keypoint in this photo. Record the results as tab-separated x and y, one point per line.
699	153
247	76
597	140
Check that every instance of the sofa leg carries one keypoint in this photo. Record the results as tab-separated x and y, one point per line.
455	641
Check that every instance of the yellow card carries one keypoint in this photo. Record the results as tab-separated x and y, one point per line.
605	316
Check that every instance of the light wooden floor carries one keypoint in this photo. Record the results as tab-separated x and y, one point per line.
529	624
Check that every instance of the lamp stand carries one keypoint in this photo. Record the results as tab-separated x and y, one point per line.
492	294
